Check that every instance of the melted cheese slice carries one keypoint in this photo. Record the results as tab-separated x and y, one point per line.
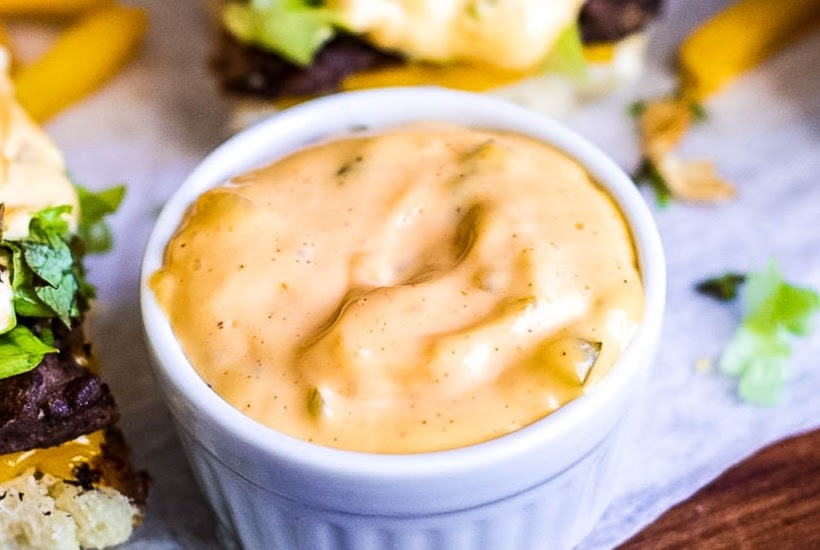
512	35
59	461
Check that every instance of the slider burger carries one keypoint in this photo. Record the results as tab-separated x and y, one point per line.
283	51
65	477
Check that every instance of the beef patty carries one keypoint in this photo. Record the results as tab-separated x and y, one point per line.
58	400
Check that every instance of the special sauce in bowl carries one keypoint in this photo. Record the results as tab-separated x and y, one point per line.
416	289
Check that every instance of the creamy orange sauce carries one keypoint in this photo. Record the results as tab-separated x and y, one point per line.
423	288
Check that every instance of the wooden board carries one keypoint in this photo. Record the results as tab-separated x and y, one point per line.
770	500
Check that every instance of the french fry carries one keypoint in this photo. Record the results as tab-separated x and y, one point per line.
8	49
85	56
48	8
4	38
738	38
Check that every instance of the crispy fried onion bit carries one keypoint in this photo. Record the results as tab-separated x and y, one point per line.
662	125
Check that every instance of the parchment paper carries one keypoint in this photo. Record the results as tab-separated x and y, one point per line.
161	116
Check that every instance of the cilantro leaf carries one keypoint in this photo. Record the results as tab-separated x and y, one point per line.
294	29
21	351
636	108
648	174
46	253
26	302
47	274
760	360
770	301
724	287
699	112
759	351
94	207
51	262
61	298
53	221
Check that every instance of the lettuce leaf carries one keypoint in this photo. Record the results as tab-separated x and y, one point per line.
294	29
759	352
567	54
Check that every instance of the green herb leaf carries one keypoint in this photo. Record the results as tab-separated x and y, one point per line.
46	273
94	207
567	55
648	174
759	351
699	112
294	29
53	221
48	277
26	302
770	301
723	287
637	108
21	351
61	298
50	259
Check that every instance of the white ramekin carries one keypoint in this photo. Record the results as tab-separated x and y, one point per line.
541	487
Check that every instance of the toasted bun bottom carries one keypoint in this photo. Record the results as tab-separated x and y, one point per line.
43	512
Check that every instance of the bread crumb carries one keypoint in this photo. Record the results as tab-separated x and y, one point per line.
50	514
704	365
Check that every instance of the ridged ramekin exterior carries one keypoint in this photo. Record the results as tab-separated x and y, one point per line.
554	515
